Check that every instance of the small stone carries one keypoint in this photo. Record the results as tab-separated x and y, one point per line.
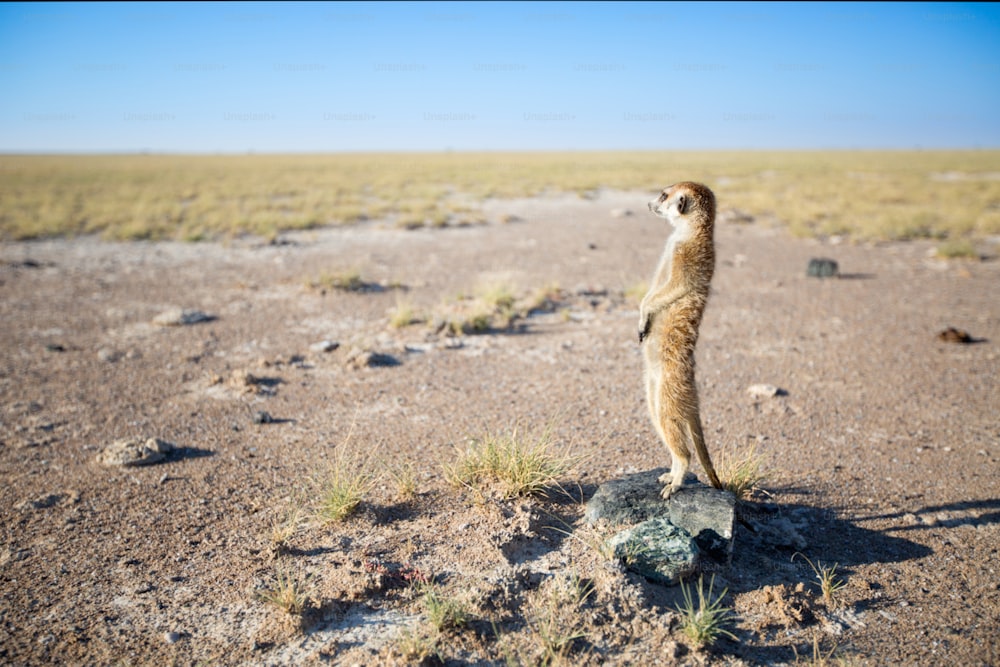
40	503
243	379
108	355
764	391
171	637
176	317
367	359
261	417
135	452
324	346
821	267
953	335
621	213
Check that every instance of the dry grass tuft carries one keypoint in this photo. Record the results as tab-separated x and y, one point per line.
443	612
705	622
347	281
741	476
829	584
403	315
289	593
509	465
957	249
349	480
404	478
284	528
555	617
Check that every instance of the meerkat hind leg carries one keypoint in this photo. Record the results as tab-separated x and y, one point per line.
673	438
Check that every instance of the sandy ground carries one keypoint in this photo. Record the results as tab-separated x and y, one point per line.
882	448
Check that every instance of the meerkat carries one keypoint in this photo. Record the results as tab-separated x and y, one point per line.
669	317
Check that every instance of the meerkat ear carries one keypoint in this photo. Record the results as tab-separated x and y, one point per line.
682	204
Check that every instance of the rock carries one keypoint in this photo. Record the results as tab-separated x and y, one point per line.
109	355
244	380
359	358
171	637
261	417
40	503
658	550
765	391
176	317
953	335
134	452
629	500
705	513
324	346
821	267
621	213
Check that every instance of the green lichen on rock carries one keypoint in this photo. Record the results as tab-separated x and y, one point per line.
657	550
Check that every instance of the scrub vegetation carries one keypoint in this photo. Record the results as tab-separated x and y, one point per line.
953	196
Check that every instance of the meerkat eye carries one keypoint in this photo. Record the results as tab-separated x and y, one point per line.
682	204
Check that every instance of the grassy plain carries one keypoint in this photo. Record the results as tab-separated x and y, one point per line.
948	195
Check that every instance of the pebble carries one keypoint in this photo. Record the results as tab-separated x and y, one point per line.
821	267
953	335
324	346
764	390
620	213
261	417
40	503
176	317
134	452
171	637
366	358
243	379
109	355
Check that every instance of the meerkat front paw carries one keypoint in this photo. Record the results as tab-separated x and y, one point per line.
645	323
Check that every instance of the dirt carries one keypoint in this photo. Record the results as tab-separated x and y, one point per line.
881	441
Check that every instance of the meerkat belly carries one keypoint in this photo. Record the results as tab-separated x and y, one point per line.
676	329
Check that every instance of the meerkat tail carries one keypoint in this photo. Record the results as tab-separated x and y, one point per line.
698	440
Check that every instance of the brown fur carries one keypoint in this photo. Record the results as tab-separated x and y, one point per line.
669	317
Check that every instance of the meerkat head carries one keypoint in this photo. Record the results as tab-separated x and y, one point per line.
685	202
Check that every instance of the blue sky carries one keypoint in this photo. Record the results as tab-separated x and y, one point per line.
317	77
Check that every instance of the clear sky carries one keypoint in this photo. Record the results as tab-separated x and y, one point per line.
236	77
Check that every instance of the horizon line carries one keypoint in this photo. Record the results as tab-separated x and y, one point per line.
449	151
